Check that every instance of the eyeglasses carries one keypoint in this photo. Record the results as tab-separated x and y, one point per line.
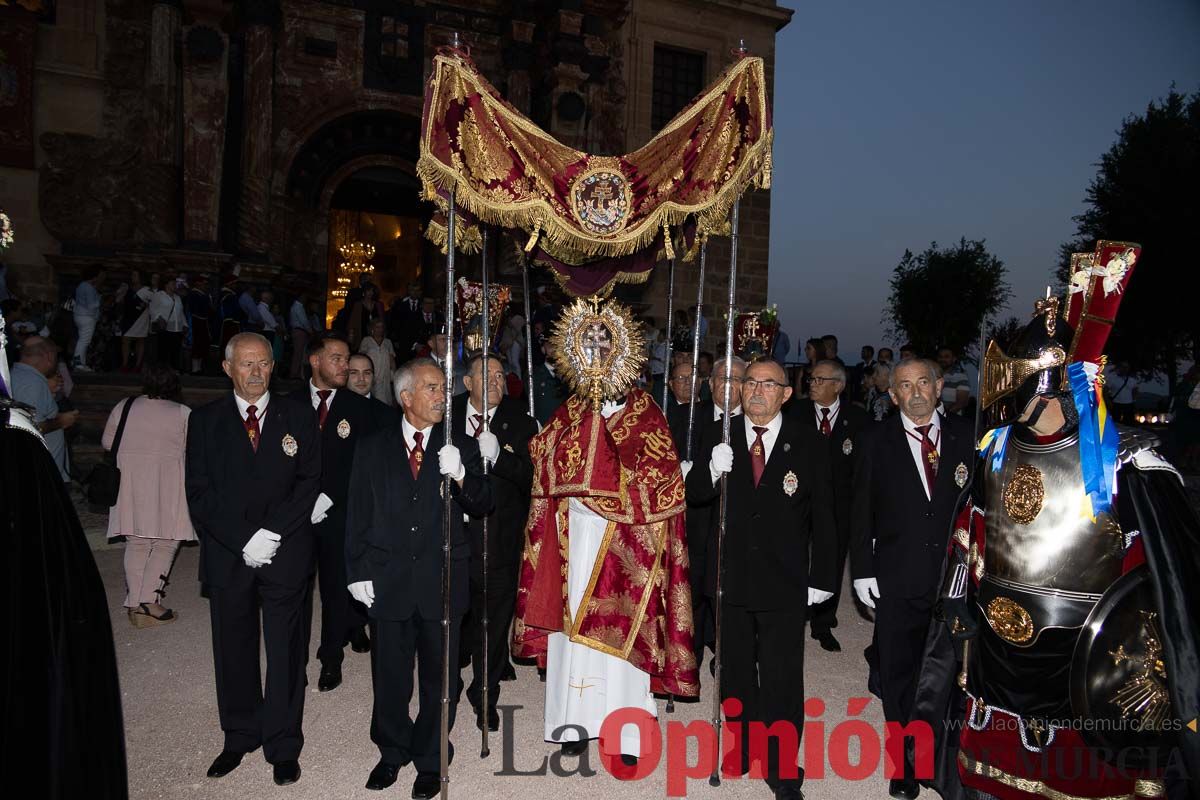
749	385
819	379
681	379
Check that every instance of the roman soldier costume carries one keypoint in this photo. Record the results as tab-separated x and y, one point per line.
1071	574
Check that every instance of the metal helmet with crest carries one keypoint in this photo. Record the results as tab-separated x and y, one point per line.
598	349
1036	362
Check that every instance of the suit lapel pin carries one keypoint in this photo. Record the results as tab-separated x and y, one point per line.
508	447
504	426
343	429
960	475
790	483
289	445
787	446
847	447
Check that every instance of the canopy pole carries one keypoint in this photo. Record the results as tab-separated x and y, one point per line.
528	337
696	347
670	347
485	373
447	428
715	778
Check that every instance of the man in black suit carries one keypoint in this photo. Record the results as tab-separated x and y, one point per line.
780	554
505	445
549	391
344	419
841	426
679	381
701	515
253	474
913	468
394	559
403	323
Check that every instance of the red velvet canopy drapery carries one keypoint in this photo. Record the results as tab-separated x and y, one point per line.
593	220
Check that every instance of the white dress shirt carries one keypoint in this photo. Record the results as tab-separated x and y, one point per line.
409	442
260	409
769	436
469	422
833	412
914	443
299	317
718	413
316	398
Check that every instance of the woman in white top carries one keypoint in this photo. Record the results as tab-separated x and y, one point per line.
168	321
135	318
379	349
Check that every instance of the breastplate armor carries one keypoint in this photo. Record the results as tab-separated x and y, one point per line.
1046	560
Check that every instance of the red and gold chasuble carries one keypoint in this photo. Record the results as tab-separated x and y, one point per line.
638	604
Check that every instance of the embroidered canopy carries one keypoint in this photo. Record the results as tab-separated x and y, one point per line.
593	219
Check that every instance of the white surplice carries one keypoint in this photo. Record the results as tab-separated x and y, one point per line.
583	685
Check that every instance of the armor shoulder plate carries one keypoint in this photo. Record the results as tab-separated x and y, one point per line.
1136	447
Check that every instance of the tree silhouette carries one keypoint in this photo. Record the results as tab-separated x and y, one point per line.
940	298
1146	191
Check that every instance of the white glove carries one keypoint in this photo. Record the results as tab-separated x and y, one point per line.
722	461
363	592
261	548
867	590
817	596
450	462
686	466
321	508
489	446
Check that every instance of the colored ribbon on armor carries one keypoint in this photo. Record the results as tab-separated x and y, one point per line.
997	439
1098	441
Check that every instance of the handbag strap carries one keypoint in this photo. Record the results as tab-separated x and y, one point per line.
121	429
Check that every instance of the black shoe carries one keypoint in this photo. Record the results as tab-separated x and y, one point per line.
493	720
508	673
628	760
574	748
383	775
903	789
427	785
828	641
359	641
331	678
712	667
225	763
286	772
788	791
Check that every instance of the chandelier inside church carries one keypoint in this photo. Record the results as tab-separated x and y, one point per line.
356	259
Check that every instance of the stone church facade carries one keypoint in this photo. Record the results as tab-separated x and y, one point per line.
202	135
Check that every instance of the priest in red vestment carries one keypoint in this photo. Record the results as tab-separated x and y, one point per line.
604	601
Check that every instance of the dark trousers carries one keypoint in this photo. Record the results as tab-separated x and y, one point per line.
823	616
501	601
395	645
762	663
249	716
340	613
900	628
168	345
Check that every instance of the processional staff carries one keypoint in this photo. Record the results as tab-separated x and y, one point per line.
448	424
485	373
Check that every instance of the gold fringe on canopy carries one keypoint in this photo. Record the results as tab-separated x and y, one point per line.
578	207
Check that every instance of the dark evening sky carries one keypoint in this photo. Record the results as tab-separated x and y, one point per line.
900	123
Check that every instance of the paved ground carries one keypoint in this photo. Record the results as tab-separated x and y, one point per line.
172	730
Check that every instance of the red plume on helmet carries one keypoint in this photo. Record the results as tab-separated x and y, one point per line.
1094	294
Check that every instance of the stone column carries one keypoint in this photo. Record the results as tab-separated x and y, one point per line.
259	76
159	196
205	100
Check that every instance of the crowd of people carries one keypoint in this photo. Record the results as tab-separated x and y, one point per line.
303	495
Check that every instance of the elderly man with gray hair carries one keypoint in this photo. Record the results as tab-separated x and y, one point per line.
914	465
252	476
